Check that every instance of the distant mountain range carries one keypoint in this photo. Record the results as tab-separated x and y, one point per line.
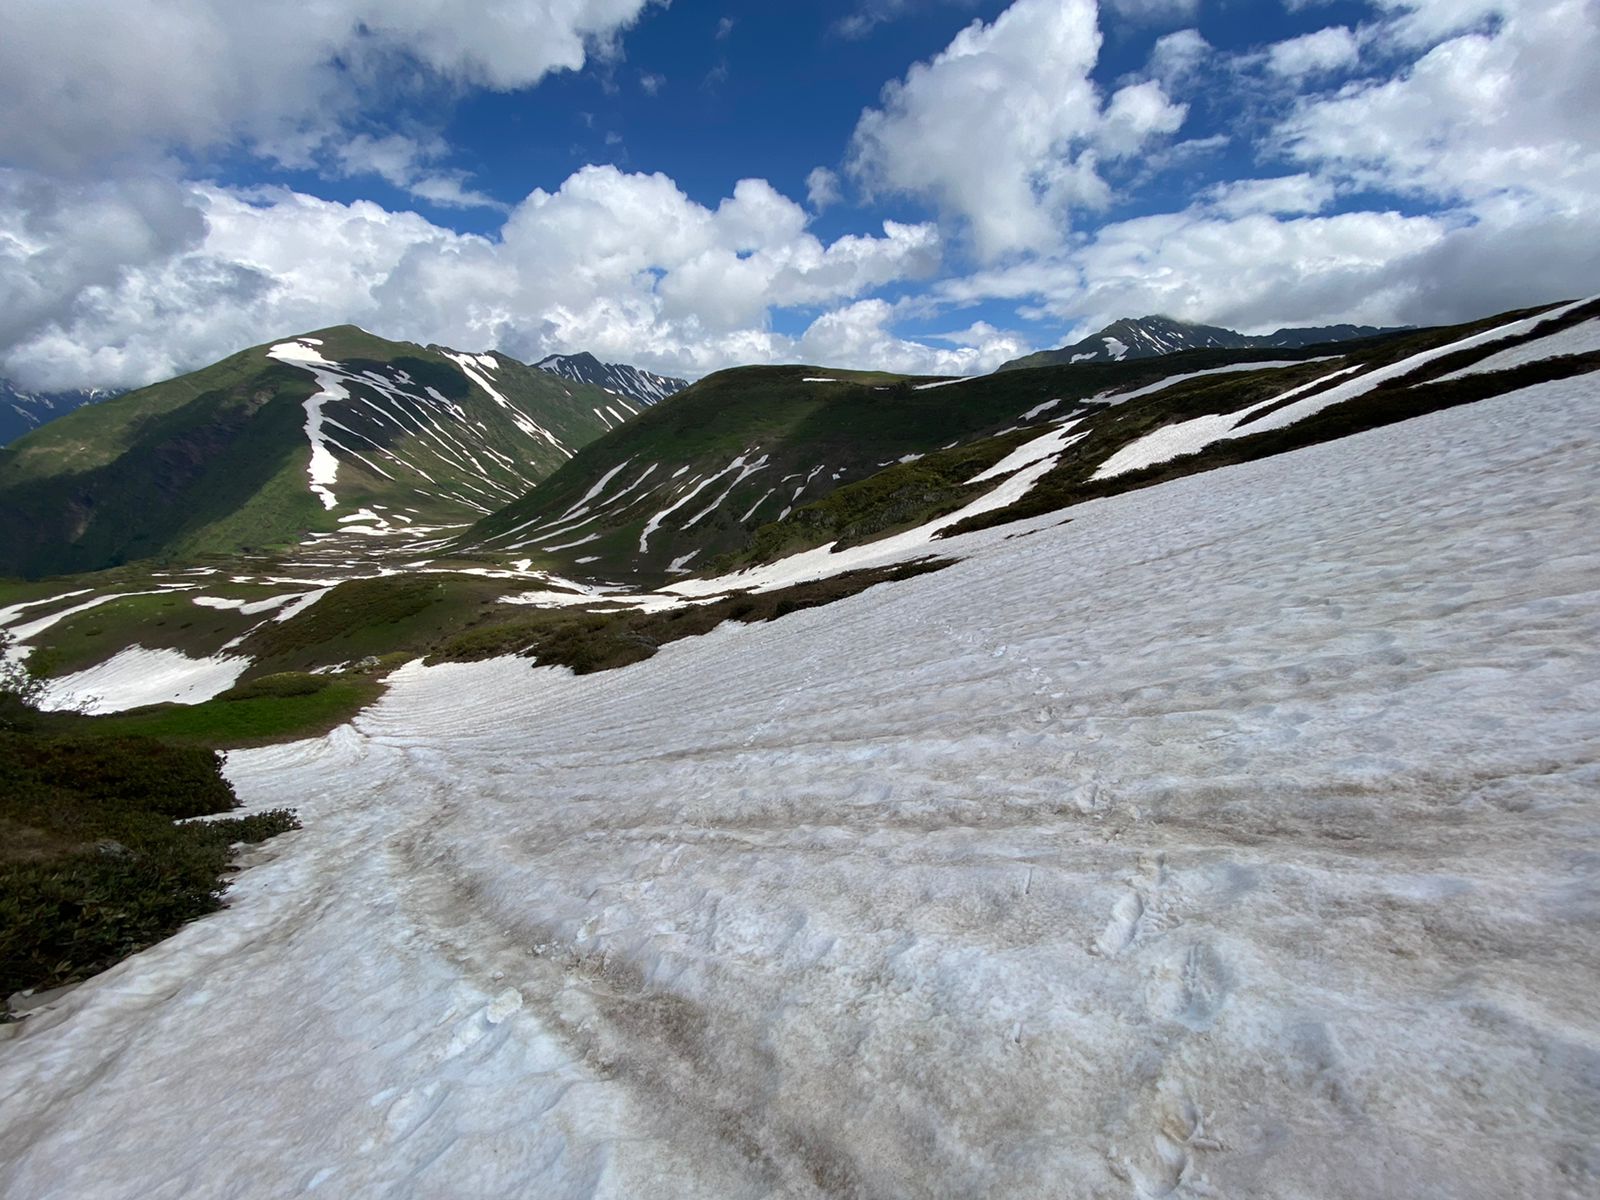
22	412
340	448
1148	337
333	496
617	378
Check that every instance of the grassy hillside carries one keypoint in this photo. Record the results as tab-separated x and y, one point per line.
217	461
699	474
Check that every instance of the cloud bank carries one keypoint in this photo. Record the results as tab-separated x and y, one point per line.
1434	161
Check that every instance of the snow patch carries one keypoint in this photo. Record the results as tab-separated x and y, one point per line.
138	676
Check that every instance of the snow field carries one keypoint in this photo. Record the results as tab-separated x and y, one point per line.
1236	838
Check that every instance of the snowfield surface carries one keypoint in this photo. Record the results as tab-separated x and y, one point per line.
1194	435
1236	838
138	676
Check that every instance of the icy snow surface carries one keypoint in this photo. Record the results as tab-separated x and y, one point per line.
1030	452
1237	838
137	676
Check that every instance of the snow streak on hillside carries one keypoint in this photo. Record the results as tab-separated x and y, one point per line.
404	431
620	379
1235	838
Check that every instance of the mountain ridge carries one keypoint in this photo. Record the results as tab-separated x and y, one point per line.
631	383
336	434
22	411
1155	335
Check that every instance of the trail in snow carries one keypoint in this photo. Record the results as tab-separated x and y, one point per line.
1237	838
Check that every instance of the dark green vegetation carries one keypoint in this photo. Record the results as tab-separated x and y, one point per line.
705	478
150	471
92	864
450	618
902	496
907	495
216	461
602	641
410	614
157	621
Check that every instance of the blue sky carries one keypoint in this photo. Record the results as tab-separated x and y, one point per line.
920	185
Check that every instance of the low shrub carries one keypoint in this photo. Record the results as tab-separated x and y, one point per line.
95	859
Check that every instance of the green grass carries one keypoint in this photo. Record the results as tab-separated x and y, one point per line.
215	462
244	717
899	497
93	865
385	615
853	426
158	622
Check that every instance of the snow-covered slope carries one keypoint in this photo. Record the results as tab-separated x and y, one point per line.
632	384
1235	838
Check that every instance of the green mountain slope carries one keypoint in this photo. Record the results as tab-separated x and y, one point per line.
337	430
695	476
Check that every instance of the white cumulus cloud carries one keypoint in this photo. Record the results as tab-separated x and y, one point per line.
106	80
624	265
1004	128
1331	49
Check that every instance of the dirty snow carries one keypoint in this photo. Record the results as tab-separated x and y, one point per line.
1237	838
